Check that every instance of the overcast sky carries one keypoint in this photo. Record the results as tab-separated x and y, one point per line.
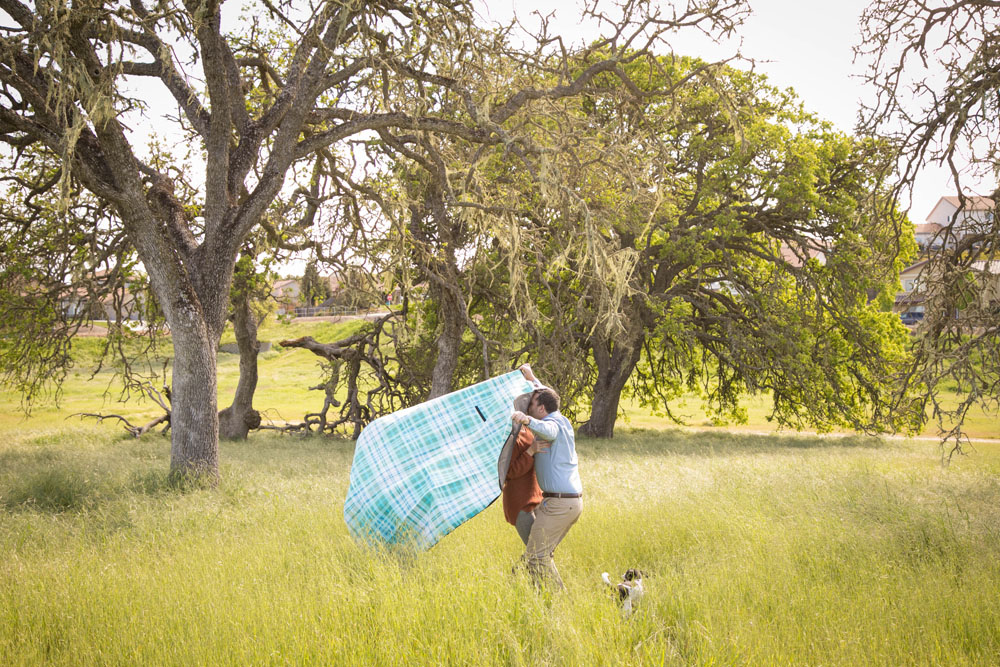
806	45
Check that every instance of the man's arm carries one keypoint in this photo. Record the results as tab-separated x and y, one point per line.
546	430
542	429
522	462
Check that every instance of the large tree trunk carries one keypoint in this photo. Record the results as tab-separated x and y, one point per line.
194	419
239	418
451	326
195	299
615	363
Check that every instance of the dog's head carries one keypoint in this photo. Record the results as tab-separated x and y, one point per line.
629	591
630	586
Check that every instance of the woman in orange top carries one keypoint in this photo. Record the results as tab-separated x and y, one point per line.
521	493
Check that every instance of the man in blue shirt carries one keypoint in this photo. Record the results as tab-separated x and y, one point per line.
558	474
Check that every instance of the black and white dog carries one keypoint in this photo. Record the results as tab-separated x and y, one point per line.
629	591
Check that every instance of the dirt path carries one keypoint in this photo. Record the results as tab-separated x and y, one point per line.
374	315
92	331
814	434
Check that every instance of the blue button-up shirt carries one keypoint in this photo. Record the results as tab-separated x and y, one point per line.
556	467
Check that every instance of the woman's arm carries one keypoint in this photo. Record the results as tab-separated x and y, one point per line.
521	463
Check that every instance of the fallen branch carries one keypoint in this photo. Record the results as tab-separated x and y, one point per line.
135	431
360	363
161	399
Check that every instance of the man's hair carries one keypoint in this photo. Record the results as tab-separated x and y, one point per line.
548	399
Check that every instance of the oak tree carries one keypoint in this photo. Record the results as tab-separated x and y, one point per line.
257	96
723	241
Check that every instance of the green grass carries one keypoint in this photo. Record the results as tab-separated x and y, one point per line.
759	550
979	424
283	393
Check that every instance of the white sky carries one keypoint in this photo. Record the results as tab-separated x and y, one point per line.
806	45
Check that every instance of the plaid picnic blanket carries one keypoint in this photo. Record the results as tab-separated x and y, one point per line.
421	472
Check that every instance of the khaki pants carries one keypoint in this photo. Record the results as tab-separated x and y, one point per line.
553	519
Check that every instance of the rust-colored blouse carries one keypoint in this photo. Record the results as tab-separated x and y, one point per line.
521	491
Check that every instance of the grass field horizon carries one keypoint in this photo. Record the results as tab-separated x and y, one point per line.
286	374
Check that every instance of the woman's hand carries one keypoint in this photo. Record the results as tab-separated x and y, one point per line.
538	445
527	373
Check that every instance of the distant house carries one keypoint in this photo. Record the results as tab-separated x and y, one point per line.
74	302
798	256
131	305
287	293
911	299
77	301
925	235
946	223
910	276
989	279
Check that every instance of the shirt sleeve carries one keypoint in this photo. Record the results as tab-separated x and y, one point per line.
546	430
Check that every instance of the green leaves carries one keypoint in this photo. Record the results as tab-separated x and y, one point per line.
756	236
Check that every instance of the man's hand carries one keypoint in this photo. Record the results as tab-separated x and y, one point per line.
520	418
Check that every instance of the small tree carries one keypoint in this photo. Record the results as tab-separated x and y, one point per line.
934	72
315	289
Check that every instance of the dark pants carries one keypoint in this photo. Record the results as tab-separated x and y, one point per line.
523	525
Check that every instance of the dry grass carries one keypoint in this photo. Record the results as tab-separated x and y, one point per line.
760	550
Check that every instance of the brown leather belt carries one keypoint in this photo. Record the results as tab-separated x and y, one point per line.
547	494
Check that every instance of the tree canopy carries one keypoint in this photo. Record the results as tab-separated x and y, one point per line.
278	92
741	248
636	222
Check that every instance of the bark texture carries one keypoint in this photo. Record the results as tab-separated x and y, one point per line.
614	366
236	421
451	326
194	416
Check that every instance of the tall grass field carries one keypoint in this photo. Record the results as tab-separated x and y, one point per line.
758	549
